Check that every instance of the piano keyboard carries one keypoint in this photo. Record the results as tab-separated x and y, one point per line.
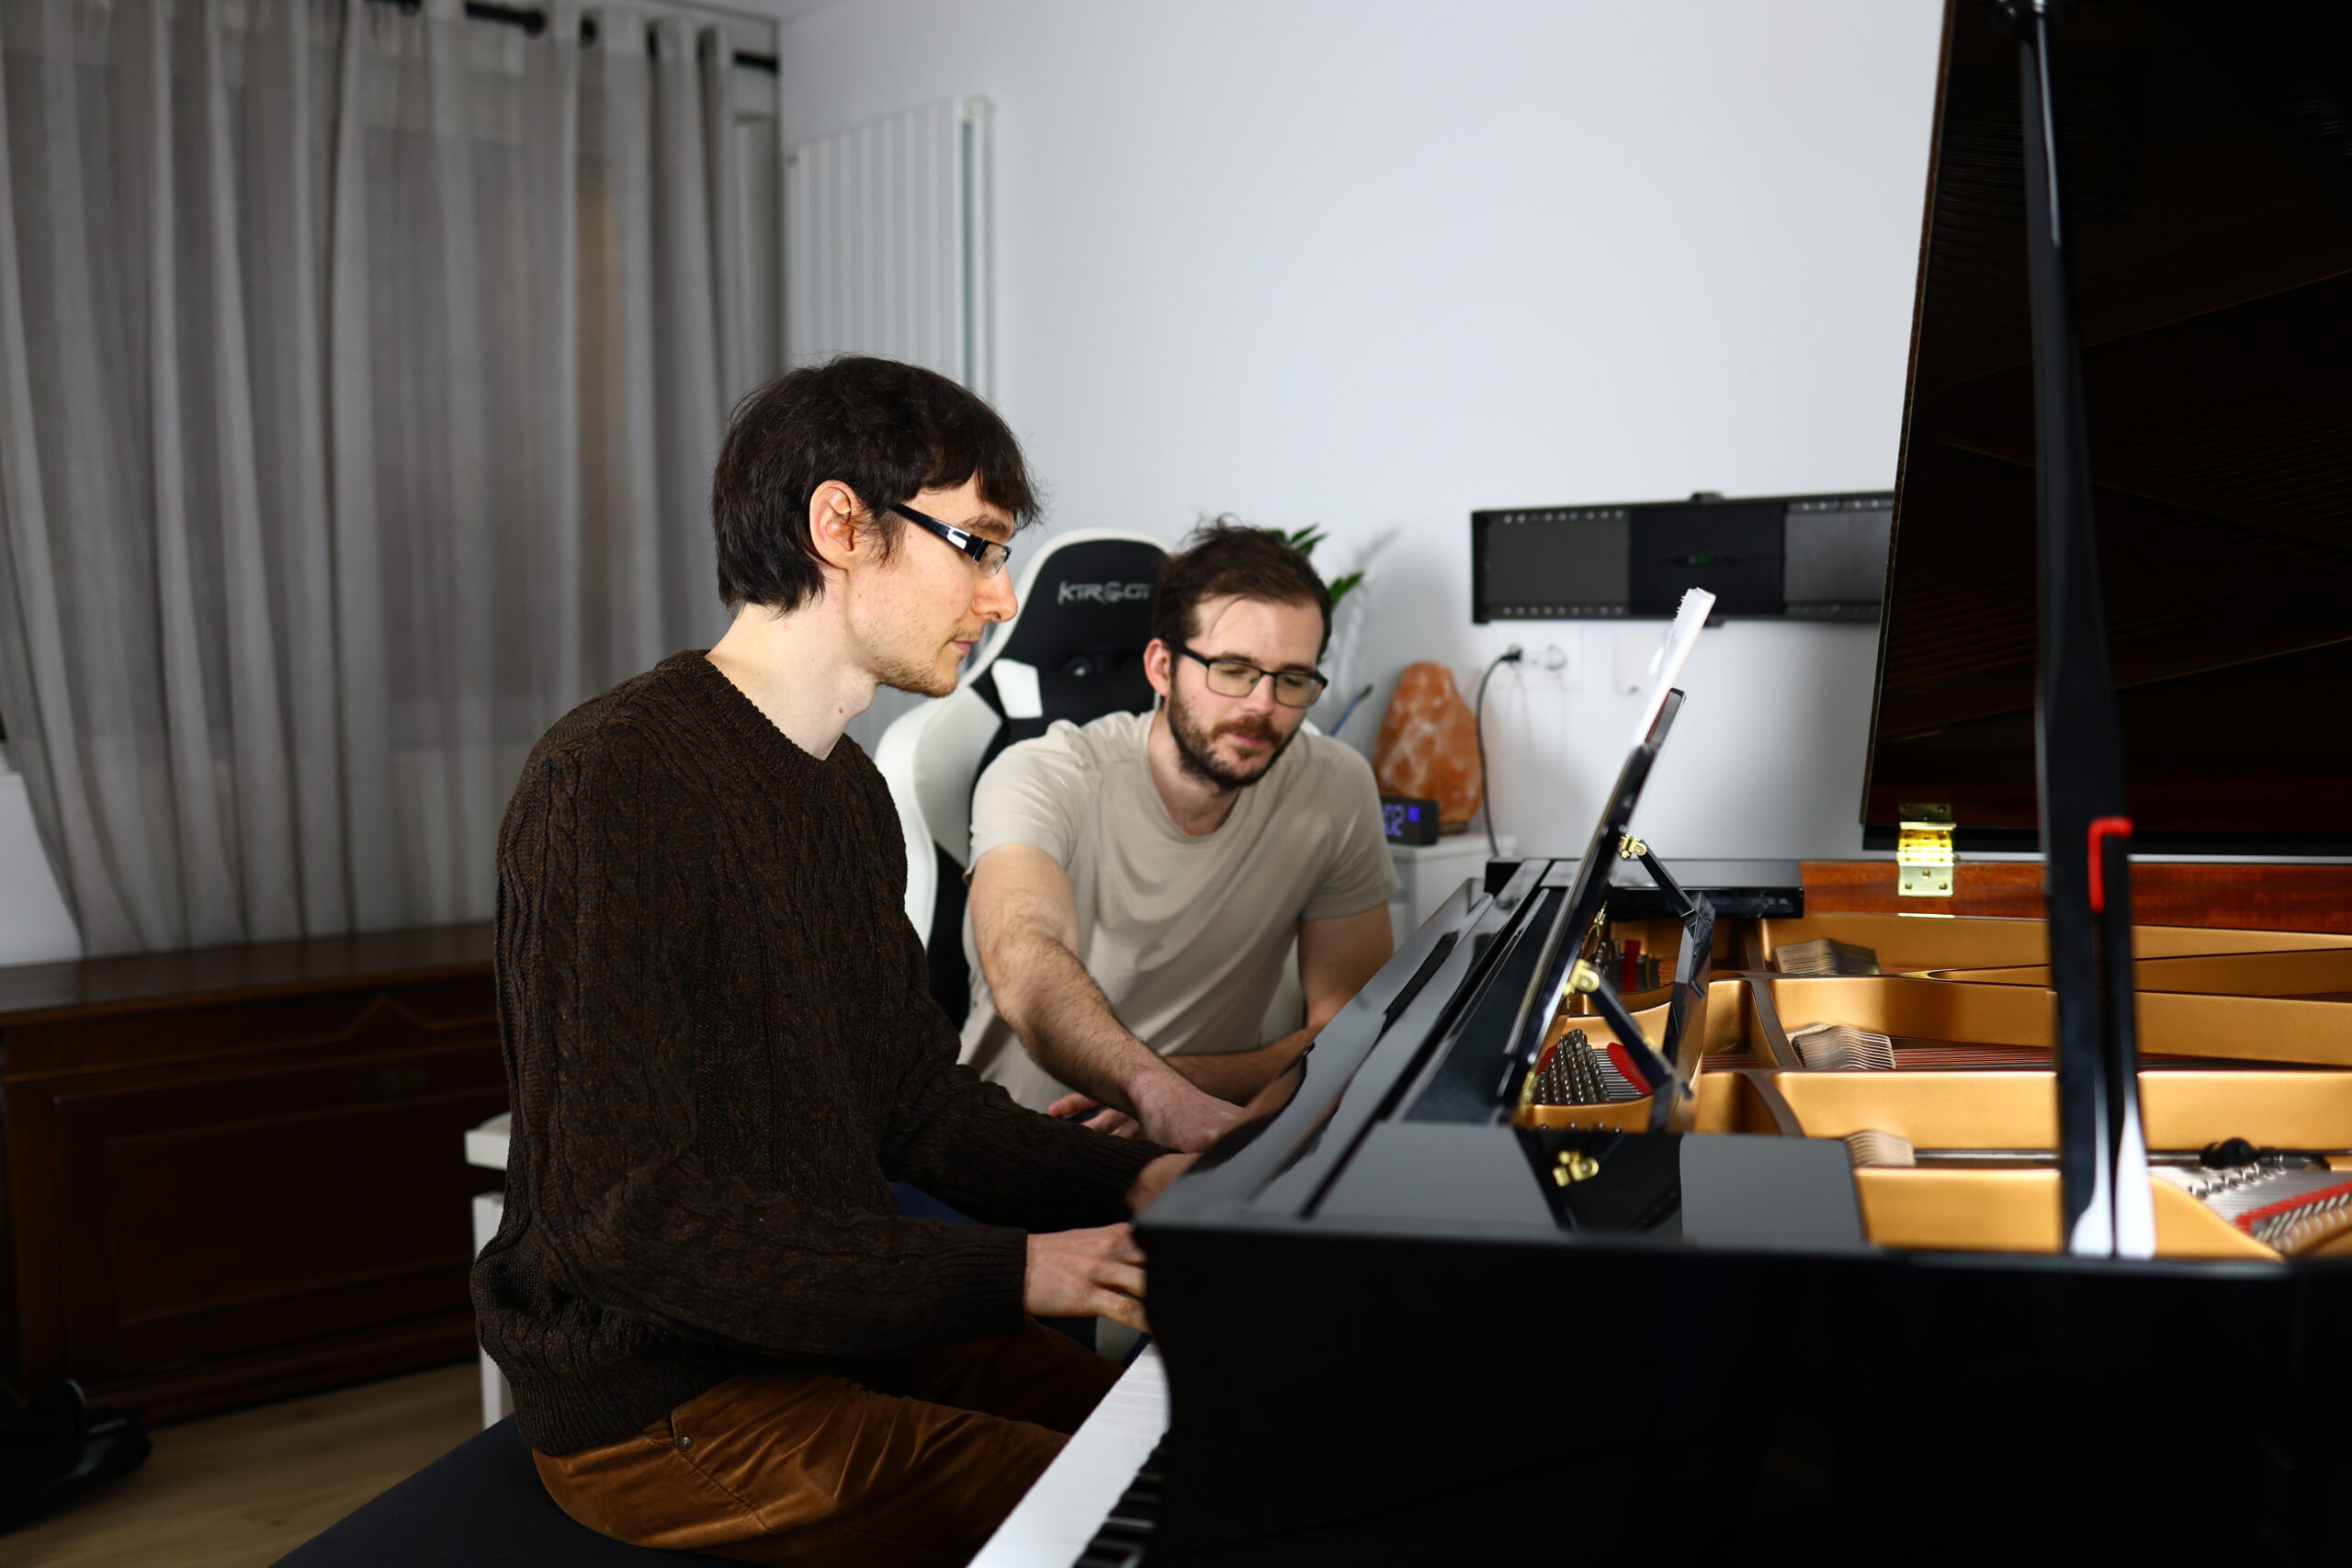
1126	1530
1092	1504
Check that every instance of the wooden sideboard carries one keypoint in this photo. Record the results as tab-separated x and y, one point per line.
238	1174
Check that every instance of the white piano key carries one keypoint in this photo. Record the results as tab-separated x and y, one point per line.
1051	1526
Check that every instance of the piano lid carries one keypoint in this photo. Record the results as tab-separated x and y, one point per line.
2207	159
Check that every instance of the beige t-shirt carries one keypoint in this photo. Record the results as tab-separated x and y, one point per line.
1185	935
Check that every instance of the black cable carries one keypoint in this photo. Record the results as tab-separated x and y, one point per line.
1510	655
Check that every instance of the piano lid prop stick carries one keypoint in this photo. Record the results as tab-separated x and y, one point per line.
2086	833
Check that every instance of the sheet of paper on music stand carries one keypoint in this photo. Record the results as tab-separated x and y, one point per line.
1681	638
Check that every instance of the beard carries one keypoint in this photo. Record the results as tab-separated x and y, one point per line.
1196	743
903	674
893	659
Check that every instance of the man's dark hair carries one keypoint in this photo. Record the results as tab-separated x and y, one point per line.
1227	556
886	430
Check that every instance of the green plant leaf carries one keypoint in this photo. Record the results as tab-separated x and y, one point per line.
1340	585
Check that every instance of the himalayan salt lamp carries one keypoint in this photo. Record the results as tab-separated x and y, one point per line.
1429	745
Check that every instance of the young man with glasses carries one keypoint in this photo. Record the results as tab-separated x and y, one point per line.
723	1335
1137	881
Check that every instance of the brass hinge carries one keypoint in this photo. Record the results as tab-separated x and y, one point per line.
1574	1165
1923	851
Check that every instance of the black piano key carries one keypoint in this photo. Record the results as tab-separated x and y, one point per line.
1125	1531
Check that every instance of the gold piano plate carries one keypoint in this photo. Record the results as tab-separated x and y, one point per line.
2184	1109
1965	1002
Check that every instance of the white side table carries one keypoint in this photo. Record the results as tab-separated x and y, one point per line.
486	1147
1431	872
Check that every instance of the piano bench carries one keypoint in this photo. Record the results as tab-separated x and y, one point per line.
479	1504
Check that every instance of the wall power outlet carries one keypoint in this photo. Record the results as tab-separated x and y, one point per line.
1559	664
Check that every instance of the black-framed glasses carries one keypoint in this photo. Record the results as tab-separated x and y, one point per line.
1238	678
987	554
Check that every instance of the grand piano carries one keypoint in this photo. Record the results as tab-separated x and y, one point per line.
1979	1222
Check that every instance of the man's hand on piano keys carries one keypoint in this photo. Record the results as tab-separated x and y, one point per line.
1168	1109
1161	1173
1090	1273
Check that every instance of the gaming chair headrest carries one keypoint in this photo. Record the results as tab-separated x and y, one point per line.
1082	625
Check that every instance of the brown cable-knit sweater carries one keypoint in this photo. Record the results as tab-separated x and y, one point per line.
722	1050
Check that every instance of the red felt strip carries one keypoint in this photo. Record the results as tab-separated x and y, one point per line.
2253	1217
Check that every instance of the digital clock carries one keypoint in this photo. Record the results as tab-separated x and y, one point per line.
1408	819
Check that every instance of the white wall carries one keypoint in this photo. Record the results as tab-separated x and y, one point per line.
1375	264
34	925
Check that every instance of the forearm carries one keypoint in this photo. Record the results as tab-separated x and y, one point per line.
1335	958
1054	1186
1237	1075
1045	993
772	1273
969	1144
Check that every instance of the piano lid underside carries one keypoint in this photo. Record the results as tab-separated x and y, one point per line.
2209	165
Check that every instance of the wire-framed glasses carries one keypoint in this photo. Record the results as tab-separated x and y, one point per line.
987	554
1238	678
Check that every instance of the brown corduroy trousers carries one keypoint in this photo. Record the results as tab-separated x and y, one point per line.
911	1460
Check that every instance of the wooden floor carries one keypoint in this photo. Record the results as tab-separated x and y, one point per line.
240	1491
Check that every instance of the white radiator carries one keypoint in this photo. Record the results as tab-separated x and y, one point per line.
886	240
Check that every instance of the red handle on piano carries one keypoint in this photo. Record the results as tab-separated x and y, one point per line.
2102	829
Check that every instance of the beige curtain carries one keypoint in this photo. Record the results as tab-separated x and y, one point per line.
360	375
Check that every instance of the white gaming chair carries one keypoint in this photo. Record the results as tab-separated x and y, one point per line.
1074	651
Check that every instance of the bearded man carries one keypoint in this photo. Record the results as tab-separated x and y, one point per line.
1138	880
